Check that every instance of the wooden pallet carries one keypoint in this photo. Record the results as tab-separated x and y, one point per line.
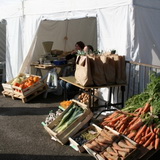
29	96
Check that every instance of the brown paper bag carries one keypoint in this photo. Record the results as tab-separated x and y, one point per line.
83	71
109	69
97	70
120	69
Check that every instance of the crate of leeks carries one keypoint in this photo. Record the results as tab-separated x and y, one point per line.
69	122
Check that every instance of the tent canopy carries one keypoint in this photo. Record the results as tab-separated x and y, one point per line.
129	26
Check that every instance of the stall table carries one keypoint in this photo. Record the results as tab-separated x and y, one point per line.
90	90
48	67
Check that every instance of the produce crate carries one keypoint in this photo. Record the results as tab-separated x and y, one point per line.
75	145
7	87
24	94
96	154
132	154
73	128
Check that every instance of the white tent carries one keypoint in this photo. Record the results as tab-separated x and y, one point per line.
2	40
129	26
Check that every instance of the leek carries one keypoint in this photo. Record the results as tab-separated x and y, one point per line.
77	112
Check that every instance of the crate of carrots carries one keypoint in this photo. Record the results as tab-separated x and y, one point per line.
138	126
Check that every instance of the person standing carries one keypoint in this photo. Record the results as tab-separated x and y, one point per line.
70	90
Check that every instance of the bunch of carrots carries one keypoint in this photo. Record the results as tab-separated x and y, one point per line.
142	125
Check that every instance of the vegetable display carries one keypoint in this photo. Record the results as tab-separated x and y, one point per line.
23	82
52	116
84	98
118	150
65	104
140	118
86	136
69	117
102	141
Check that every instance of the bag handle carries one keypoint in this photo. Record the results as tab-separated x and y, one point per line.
81	60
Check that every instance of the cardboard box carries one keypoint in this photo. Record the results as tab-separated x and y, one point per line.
73	128
75	144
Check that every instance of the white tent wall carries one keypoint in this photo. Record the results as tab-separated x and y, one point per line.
147	32
115	31
2	41
69	10
14	47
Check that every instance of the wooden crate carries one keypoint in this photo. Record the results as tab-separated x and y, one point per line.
95	154
31	93
24	94
7	87
139	152
73	128
77	146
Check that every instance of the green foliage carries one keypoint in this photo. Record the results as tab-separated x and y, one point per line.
151	95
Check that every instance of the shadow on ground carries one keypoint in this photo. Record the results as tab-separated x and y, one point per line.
40	157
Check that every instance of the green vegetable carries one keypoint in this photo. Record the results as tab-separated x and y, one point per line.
69	118
151	95
65	117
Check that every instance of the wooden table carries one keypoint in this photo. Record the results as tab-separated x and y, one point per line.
48	67
90	89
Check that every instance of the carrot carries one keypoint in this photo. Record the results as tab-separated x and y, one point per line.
151	128
116	124
147	130
125	132
119	124
153	143
133	120
125	119
137	110
122	128
148	135
118	118
131	134
149	140
141	142
114	114
140	112
146	108
140	131
138	139
136	125
157	142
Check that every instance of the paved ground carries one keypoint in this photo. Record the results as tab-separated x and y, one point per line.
22	137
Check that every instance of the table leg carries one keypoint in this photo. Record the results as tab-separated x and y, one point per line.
122	90
38	72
